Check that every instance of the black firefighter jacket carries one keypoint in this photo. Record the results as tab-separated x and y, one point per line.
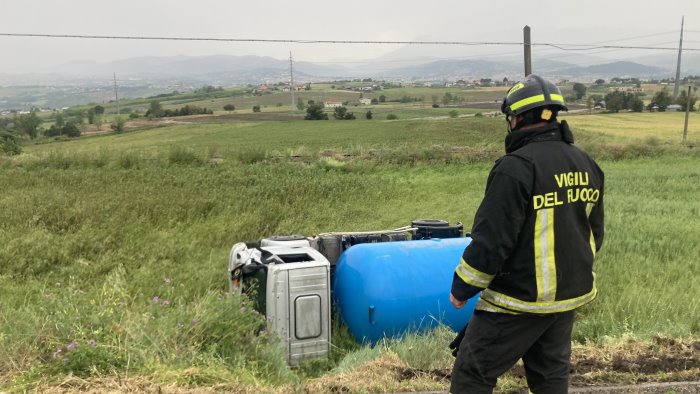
538	228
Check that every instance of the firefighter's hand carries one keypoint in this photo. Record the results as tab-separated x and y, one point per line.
457	303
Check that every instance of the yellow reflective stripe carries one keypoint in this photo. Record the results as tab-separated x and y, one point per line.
556	97
472	276
535	99
589	208
524	102
515	88
482	305
545	264
504	301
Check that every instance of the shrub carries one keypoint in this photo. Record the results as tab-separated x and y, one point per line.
391	117
70	129
315	112
180	155
256	108
9	144
453	113
118	125
341	113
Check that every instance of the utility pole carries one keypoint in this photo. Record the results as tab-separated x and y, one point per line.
291	75
687	112
527	47
116	93
678	66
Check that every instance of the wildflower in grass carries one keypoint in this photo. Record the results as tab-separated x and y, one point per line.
167	280
155	299
57	353
72	346
92	342
195	321
166	302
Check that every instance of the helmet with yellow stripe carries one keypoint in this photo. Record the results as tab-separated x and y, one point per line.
531	93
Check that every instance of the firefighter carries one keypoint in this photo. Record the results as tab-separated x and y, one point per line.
534	239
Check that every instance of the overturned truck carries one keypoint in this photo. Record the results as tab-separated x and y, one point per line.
382	283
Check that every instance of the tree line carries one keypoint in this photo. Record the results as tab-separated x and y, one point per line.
155	110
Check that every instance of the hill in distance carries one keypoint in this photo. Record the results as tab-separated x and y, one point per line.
228	70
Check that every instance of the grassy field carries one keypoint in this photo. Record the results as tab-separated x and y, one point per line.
664	127
115	247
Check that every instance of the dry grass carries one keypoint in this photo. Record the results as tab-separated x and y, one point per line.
117	384
628	362
387	373
662	360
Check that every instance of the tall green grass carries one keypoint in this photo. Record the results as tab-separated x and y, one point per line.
95	241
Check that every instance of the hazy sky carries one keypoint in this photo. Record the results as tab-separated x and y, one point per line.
444	20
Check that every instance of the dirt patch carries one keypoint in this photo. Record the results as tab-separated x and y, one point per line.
661	366
249	117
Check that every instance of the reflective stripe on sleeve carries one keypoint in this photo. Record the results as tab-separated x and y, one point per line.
472	276
589	208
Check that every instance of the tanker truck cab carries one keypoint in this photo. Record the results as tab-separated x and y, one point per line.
291	287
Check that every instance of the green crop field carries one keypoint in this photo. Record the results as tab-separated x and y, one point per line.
113	263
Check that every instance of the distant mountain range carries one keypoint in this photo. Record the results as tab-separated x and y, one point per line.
229	70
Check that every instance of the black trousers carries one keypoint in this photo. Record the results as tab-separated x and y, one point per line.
494	342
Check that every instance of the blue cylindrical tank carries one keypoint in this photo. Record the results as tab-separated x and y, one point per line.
386	289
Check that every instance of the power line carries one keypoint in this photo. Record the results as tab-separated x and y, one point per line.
563	47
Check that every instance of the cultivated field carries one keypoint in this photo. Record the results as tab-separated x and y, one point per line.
112	271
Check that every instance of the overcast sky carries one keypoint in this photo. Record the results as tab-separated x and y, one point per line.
560	21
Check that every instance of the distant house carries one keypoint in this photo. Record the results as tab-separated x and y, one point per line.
599	105
332	104
365	101
674	107
262	89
